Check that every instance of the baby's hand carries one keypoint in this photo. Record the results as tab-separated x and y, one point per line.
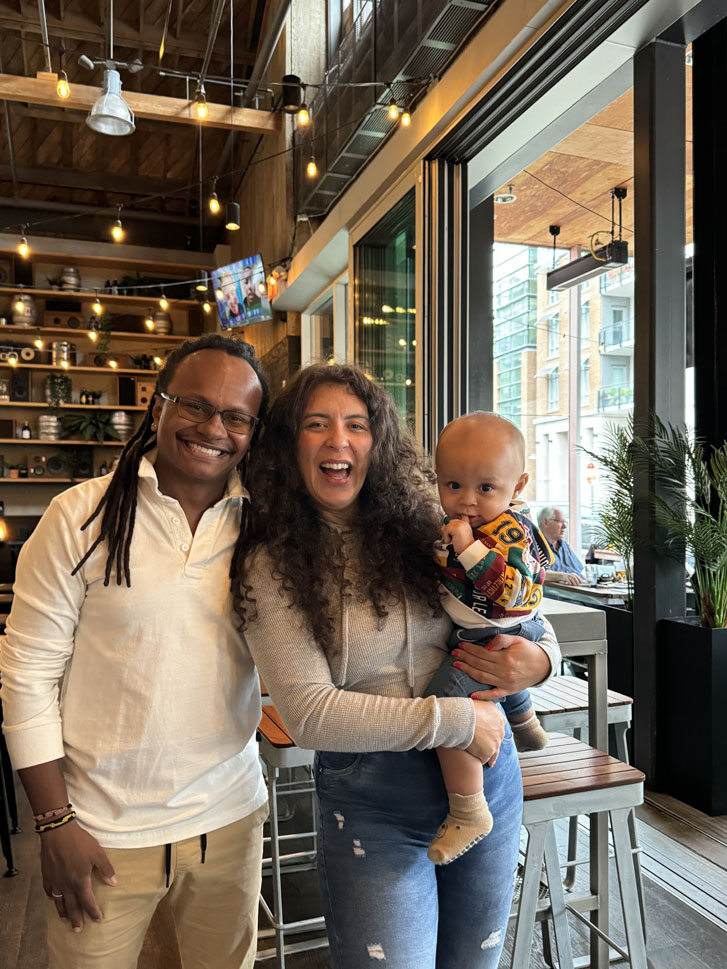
458	534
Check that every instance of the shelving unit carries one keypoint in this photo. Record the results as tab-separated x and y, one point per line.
160	339
88	296
48	367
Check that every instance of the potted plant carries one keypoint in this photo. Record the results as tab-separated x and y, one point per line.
54	282
616	530
690	506
93	424
58	387
13	469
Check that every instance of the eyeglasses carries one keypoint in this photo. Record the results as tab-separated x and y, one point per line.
558	521
199	411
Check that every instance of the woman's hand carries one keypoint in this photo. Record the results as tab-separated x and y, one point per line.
507	663
489	732
68	857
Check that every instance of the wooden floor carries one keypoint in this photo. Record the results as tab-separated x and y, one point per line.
684	860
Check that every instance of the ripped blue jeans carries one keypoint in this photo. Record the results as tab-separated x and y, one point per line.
385	902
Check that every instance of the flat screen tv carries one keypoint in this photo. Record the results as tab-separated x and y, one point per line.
241	293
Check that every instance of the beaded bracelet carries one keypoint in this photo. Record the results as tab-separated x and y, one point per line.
50	825
39	818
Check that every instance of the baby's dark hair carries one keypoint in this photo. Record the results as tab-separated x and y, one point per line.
118	503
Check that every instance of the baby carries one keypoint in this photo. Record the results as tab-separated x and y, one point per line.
492	567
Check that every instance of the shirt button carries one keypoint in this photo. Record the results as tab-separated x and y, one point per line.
185	547
175	520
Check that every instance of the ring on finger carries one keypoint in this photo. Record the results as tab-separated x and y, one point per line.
57	894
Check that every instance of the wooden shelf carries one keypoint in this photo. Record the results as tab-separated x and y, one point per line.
73	369
89	296
43	479
66	442
32	403
65	331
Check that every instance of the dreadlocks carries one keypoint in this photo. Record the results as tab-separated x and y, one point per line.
119	501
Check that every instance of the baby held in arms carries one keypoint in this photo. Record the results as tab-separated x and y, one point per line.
492	562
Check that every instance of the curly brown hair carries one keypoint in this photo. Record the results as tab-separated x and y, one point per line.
397	520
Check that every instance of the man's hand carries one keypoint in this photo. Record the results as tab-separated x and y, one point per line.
458	534
68	857
565	578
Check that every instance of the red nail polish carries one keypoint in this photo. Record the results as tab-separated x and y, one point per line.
455	652
457	666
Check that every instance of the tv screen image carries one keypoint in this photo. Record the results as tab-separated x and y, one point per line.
237	291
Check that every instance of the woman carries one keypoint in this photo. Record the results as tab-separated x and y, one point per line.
336	586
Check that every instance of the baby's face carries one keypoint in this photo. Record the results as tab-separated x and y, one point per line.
477	479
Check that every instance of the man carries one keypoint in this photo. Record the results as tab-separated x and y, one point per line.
231	309
566	567
144	777
250	282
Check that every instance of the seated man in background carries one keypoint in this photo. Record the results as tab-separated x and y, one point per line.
566	566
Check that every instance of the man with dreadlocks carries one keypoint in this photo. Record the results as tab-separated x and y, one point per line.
142	769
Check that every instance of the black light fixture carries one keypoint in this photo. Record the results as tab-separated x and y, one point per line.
292	93
599	260
232	221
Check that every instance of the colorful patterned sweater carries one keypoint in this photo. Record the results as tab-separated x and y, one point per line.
498	580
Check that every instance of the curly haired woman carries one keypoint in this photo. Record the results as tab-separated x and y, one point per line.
335	582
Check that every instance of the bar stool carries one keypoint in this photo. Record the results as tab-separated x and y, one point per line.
566	779
8	806
279	752
562	706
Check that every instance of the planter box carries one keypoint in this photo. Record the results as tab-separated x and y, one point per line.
620	635
692	728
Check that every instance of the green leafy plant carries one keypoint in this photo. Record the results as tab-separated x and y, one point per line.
54	282
616	515
94	424
690	504
103	328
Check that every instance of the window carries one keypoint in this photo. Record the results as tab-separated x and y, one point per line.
553	391
554	335
585	381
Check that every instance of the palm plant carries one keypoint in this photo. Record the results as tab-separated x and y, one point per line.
690	505
616	514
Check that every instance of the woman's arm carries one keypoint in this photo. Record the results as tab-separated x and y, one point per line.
510	663
318	714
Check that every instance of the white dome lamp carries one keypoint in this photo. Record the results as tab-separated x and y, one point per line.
111	115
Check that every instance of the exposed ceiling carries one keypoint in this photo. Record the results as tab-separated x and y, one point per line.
56	162
583	168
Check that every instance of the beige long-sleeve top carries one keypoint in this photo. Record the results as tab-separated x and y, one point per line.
364	696
156	717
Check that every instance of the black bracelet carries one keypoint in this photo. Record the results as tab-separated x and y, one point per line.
50	825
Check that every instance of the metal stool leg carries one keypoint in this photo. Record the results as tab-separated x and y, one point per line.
9	786
529	895
570	872
275	867
7	848
557	900
629	894
622	750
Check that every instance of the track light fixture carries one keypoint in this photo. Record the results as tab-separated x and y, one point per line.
292	93
202	283
117	230
111	115
232	221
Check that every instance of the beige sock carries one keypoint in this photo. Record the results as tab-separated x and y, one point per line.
468	821
529	735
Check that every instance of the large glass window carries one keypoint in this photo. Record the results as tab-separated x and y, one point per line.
384	304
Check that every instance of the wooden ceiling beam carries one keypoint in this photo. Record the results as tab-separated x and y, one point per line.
78	27
92	181
42	90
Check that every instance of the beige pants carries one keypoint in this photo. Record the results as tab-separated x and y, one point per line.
214	905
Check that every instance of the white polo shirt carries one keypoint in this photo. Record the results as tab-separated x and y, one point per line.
159	703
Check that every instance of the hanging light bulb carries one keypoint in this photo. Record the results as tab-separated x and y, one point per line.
117	230
149	320
163	302
12	358
311	168
232	221
202	285
303	116
96	306
214	202
38	342
23	247
113	363
218	293
262	288
63	88
405	119
64	364
207	306
93	336
200	102
393	110
19	304
158	360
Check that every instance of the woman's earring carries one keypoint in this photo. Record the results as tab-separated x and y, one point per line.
154	426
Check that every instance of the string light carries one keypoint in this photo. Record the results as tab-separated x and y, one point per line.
214	202
113	363
96	306
200	102
207	306
19	304
405	119
158	360
393	110
311	169
117	230
93	336
23	247
38	342
218	293
262	288
163	302
64	364
149	320
303	116
63	88
12	359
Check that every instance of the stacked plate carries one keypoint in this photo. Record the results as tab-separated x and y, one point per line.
49	427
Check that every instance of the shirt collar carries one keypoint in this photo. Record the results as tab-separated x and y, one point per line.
234	489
